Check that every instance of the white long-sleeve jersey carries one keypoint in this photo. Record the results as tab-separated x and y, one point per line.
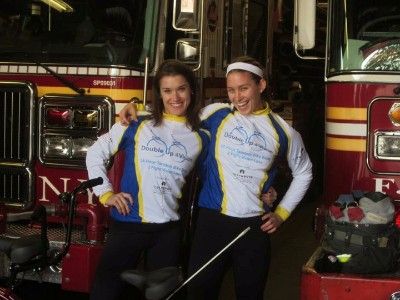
241	161
157	159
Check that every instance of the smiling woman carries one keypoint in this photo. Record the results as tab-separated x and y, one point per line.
175	92
247	142
160	152
244	92
174	89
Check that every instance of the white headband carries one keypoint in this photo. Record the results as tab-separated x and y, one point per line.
245	67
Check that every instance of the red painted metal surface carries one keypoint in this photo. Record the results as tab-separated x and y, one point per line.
316	286
79	266
96	220
51	181
310	286
356	94
348	170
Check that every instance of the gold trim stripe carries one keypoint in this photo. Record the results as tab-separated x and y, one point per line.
346	113
115	94
358	145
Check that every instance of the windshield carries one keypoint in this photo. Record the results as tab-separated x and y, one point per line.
84	32
364	36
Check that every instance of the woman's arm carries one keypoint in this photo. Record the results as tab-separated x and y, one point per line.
97	158
301	167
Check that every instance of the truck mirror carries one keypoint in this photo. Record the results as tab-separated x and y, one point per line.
304	24
186	15
187	51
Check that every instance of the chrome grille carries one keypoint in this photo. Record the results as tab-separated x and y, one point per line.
15	187
16	103
16	142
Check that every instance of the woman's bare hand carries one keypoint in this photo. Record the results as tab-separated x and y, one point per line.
271	222
128	113
121	202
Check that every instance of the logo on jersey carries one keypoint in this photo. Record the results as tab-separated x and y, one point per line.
239	136
242	176
159	148
162	187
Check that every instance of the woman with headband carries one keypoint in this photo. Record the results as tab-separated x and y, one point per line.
246	142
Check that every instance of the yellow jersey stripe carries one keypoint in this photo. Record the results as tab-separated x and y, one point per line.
265	178
107	195
220	169
283	213
138	173
175	118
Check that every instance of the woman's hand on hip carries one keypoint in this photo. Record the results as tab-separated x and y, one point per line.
121	202
271	222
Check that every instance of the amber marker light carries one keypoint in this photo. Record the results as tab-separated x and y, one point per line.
394	114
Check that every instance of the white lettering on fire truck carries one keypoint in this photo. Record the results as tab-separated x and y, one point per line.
104	83
47	186
383	185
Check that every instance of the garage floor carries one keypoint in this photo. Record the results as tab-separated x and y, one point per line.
291	247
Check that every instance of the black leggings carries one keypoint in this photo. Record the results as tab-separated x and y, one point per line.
250	256
125	245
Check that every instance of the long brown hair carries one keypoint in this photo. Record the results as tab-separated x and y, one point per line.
173	67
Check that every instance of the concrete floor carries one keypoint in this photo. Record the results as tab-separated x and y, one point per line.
292	245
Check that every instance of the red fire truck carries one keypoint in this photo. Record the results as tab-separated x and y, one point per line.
362	136
66	69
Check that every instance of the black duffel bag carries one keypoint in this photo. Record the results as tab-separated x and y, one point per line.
374	248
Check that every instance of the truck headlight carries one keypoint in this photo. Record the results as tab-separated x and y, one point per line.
80	147
57	146
387	145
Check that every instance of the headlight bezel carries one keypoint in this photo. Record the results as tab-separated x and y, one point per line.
386	139
77	121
